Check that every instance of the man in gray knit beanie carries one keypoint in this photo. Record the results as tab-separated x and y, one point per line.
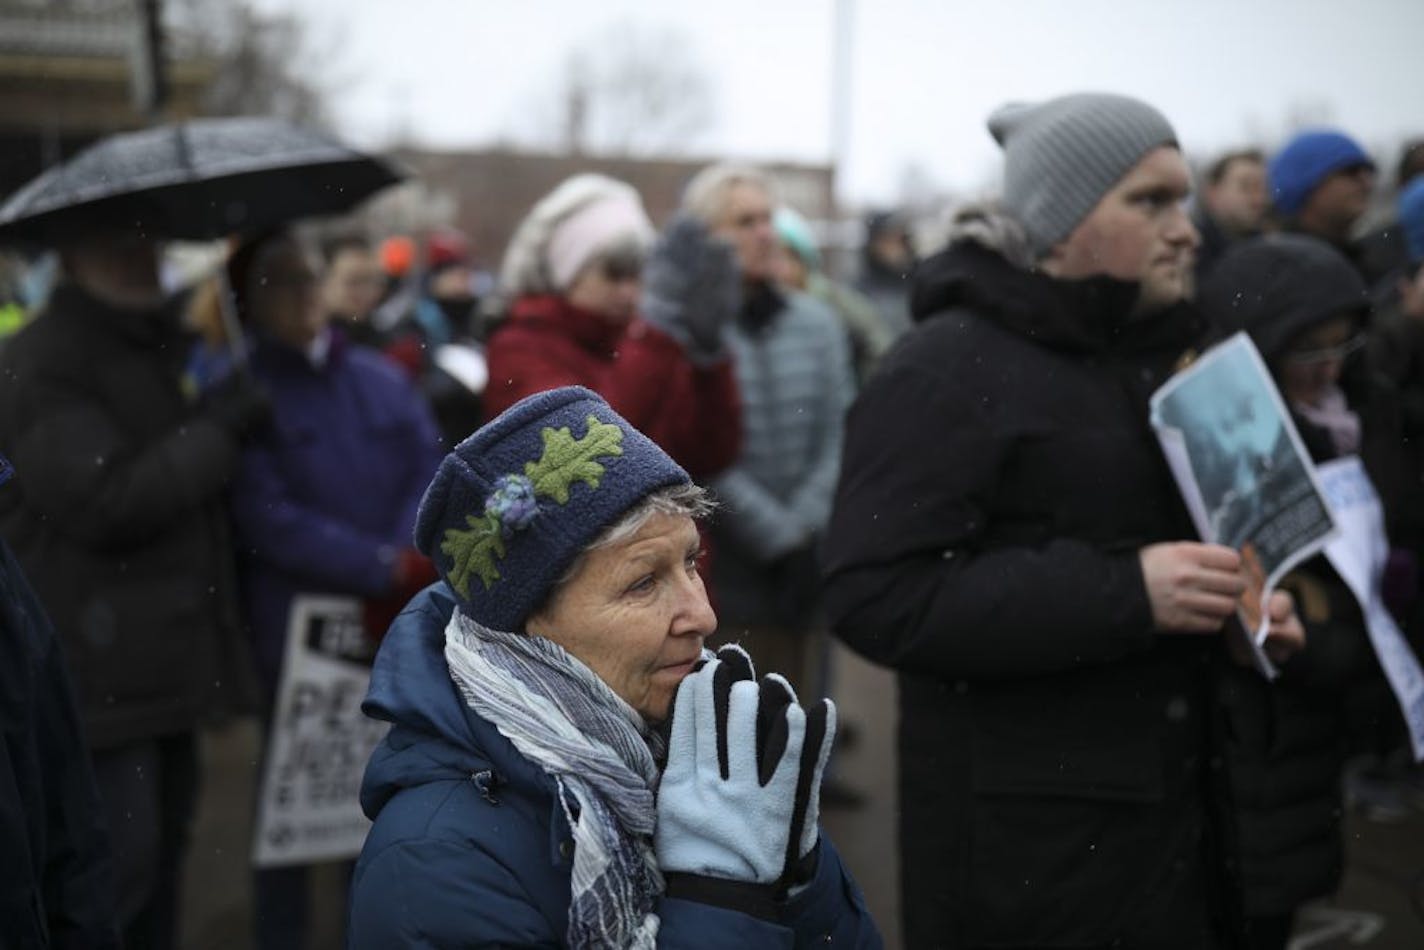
1097	180
1006	537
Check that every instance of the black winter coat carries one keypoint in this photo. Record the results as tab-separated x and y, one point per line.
1286	742
56	878
999	477
117	514
1396	352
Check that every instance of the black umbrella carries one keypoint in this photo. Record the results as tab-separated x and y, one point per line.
196	180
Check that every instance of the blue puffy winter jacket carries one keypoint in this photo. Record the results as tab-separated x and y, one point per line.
471	849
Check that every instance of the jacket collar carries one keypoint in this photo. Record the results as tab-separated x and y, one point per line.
1095	315
435	735
281	358
592	332
150	326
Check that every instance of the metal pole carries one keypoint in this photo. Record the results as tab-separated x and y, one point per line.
232	325
149	62
841	56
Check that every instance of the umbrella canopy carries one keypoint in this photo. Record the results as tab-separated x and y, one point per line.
196	180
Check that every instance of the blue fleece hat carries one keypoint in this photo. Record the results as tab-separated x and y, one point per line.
512	506
795	232
1411	218
1306	161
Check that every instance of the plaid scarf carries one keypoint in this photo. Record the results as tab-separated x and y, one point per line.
602	758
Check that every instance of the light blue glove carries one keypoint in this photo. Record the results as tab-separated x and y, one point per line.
740	795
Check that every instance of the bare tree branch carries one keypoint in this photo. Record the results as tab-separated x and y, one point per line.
634	91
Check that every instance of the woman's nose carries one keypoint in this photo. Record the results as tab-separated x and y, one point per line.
695	613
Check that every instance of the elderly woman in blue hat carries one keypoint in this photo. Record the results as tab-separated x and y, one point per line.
566	765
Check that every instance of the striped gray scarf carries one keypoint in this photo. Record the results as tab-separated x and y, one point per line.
566	720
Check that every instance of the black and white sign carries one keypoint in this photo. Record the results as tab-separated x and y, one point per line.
320	740
1358	554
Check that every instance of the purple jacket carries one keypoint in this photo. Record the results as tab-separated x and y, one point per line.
325	499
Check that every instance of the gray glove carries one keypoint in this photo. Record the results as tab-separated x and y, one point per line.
691	287
739	799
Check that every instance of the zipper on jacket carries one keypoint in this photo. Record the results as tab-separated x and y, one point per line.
487	781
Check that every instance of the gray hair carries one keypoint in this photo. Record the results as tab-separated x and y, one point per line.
685	500
706	194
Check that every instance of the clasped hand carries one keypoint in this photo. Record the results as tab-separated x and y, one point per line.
739	799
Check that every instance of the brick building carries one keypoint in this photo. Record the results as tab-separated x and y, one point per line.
66	79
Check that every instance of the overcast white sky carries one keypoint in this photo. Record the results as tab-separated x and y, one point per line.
924	73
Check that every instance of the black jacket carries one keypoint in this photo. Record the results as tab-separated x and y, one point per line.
1396	352
1000	476
117	514
56	879
1286	741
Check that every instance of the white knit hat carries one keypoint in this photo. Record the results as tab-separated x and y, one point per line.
571	226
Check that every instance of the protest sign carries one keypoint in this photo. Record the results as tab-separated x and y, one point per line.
1358	554
320	740
1242	470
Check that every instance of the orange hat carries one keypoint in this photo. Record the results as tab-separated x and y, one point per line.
397	255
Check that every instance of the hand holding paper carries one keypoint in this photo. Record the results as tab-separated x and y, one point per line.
1286	634
1193	587
1248	483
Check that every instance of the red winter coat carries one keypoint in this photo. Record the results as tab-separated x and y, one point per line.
692	412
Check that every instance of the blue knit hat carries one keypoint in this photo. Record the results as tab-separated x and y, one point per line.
512	506
1306	161
1411	218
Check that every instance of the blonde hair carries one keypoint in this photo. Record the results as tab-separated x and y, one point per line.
705	196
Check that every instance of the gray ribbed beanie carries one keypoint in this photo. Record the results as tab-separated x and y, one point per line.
1063	155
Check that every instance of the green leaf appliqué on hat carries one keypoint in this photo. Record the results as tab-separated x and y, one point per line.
567	460
563	462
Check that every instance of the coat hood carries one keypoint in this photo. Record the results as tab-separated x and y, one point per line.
1279	286
434	736
988	268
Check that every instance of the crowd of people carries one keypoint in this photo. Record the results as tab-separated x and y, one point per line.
556	490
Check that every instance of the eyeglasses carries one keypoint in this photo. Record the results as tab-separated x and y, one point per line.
623	264
1325	354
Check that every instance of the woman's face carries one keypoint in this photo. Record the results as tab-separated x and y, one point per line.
636	613
283	294
608	289
1313	363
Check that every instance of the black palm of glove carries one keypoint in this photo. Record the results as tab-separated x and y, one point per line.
239	404
691	286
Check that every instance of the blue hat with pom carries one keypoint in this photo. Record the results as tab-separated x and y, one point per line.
514	504
1306	161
